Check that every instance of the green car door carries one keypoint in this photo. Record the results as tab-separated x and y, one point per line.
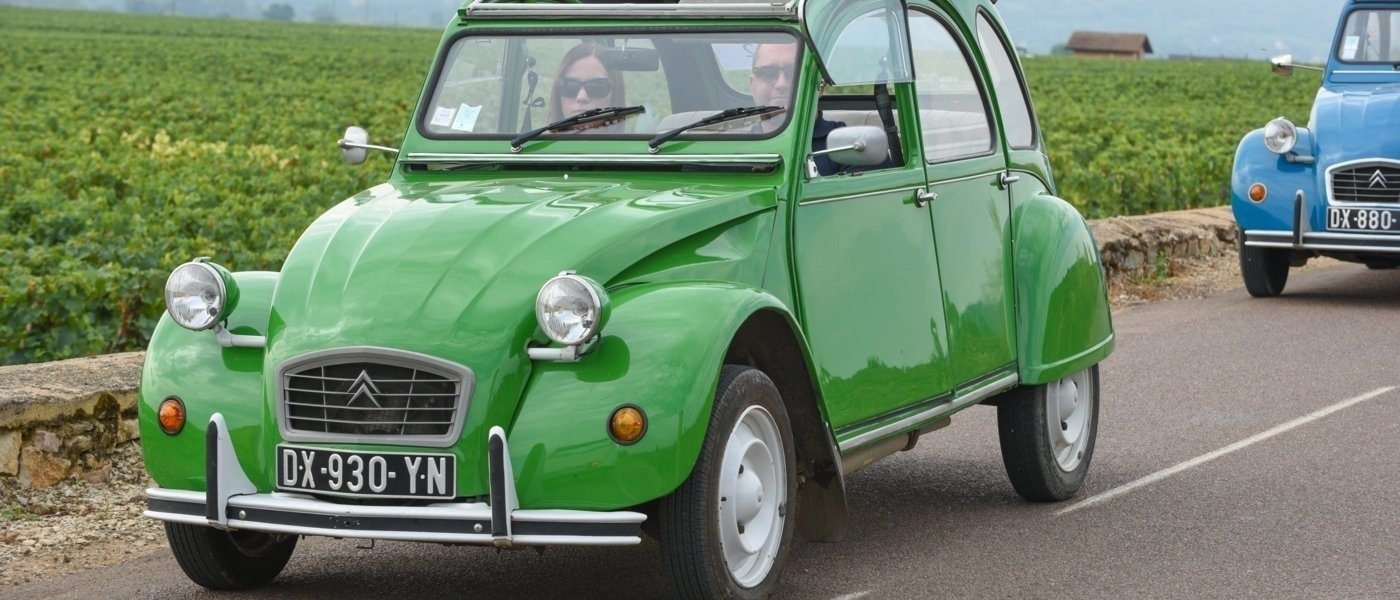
866	267
867	275
969	203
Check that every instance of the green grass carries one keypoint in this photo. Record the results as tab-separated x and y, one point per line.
15	512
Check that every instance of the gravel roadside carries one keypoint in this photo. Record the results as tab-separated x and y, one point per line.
76	526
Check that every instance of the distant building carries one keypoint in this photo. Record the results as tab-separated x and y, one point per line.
1097	44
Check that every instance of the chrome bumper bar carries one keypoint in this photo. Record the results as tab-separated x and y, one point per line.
1361	243
231	502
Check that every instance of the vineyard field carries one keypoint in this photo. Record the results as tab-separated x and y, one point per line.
133	143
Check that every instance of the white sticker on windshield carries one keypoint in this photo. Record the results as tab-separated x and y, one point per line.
442	117
1349	47
466	118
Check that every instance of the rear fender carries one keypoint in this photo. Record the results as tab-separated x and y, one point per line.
1062	315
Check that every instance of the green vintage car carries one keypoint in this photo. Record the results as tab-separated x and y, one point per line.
673	268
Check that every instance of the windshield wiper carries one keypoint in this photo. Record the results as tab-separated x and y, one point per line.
720	117
587	116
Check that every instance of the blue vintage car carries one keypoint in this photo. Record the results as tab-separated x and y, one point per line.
1332	188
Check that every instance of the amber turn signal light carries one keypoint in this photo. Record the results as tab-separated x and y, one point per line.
172	415
627	425
1258	192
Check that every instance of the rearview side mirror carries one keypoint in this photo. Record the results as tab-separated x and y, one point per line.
631	59
355	144
1282	65
860	146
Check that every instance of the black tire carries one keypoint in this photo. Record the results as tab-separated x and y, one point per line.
228	560
689	519
1381	264
1026	445
1265	270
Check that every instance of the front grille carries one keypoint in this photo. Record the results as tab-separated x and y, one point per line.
1377	182
386	398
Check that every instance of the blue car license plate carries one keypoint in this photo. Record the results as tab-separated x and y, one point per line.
366	474
1363	219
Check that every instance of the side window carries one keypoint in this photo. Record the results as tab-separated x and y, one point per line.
952	108
1011	92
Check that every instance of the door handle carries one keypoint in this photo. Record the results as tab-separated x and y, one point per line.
1007	179
923	197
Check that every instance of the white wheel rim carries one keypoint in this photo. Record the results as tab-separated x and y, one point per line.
1069	406
752	488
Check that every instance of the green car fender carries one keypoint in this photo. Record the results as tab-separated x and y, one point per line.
662	352
1062	313
192	366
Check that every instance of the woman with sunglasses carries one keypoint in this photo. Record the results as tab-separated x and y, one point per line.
583	82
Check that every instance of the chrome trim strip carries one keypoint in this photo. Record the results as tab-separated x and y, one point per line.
1326	247
1325	235
662	159
726	10
903	190
1283	239
1352	164
389	356
933	414
1356	236
998	172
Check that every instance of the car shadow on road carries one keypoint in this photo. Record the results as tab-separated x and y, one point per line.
1349	286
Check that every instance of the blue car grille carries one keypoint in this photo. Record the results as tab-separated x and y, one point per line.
1379	183
370	399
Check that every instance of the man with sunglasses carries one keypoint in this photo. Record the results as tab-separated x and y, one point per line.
770	84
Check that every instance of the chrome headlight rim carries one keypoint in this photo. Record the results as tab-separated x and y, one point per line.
598	304
223	305
1281	136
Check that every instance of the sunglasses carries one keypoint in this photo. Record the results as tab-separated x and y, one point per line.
771	74
596	88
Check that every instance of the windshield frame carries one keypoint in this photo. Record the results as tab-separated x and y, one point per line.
420	115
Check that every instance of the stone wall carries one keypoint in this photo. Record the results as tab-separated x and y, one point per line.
1132	244
63	419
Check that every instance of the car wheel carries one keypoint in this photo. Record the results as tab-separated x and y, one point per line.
1265	270
725	532
228	560
1382	264
1047	435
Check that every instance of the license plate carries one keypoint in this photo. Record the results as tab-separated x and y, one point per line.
366	474
1363	219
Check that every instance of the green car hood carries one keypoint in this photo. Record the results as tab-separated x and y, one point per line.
451	270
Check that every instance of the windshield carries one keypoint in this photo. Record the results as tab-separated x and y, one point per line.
1371	36
499	86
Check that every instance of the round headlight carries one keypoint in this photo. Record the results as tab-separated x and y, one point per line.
1280	136
571	309
196	296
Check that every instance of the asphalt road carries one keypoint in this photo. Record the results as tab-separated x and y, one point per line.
1270	473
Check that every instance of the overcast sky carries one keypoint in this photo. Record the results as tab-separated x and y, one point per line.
1235	28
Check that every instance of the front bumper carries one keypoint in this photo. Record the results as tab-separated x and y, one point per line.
231	502
1359	243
